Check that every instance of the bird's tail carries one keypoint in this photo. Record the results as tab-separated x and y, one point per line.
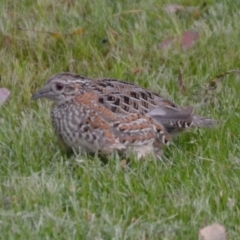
177	120
200	121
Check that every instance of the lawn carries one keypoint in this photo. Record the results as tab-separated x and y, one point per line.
47	194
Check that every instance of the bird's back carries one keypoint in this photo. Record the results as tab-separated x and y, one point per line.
125	98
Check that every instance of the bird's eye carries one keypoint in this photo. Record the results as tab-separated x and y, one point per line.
59	86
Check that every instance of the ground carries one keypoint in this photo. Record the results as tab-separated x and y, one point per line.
47	194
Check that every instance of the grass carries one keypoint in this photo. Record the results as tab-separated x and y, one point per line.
46	195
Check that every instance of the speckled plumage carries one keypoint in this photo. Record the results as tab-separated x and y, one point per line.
82	123
108	115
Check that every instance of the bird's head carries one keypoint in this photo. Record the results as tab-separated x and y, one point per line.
62	87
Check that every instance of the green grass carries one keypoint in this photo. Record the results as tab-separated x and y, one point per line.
46	195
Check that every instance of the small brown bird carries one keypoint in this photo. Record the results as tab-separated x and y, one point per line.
109	115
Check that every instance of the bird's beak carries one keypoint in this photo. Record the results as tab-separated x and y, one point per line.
44	92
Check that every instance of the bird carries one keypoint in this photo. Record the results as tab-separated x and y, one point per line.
107	115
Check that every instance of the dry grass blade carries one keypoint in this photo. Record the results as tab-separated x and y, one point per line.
180	82
215	83
128	12
56	35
